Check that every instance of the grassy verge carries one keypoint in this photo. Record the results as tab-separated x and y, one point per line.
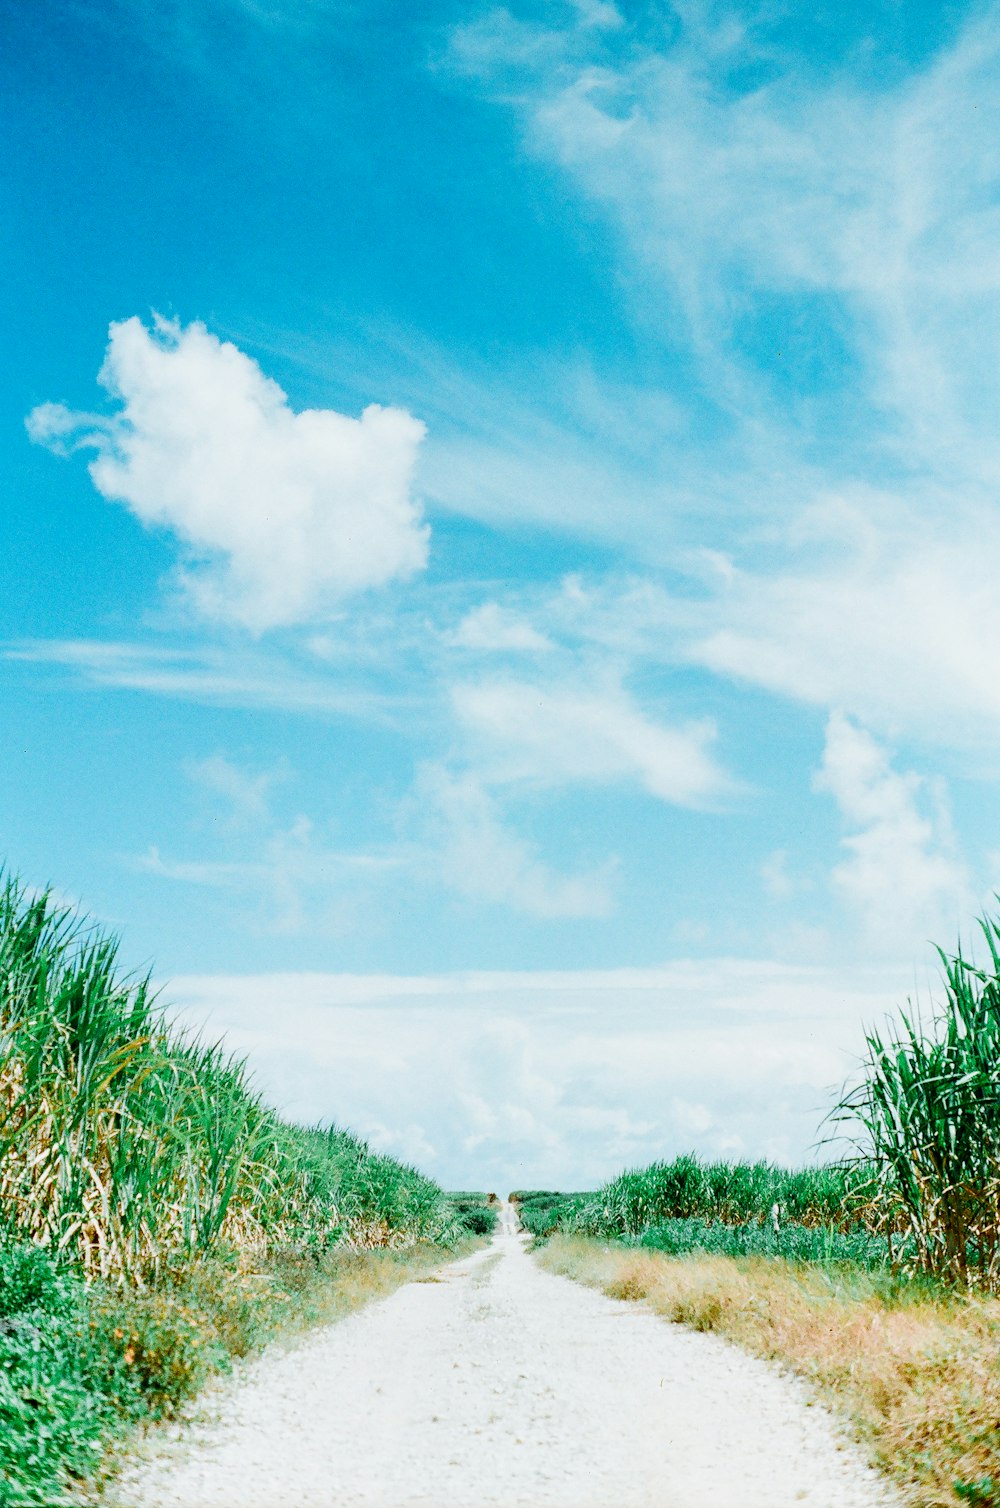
912	1366
82	1366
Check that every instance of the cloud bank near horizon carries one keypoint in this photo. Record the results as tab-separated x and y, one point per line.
513	1080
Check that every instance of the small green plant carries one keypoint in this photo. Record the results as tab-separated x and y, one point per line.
982	1494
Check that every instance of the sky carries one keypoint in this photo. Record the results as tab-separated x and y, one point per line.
501	554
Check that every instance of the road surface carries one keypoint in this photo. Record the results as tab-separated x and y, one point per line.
495	1383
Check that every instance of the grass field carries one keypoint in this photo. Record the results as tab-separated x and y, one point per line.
156	1217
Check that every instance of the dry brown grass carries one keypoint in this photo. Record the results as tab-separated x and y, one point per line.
915	1370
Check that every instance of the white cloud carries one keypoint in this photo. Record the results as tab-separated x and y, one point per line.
894	619
901	874
242	677
507	1080
245	793
554	734
483	859
496	629
281	514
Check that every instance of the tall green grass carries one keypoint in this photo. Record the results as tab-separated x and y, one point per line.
733	1193
127	1145
156	1217
689	1192
922	1192
926	1116
792	1242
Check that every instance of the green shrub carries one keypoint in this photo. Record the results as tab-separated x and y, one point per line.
474	1213
543	1211
481	1221
149	1352
52	1423
30	1280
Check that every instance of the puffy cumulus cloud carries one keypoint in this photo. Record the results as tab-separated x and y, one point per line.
281	514
482	858
553	735
902	873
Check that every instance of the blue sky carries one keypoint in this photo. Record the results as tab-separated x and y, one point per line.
501	544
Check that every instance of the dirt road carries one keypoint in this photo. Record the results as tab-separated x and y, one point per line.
498	1384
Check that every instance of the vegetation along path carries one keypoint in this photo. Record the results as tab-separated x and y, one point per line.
497	1383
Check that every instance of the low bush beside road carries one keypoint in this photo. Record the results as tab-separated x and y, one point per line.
476	1213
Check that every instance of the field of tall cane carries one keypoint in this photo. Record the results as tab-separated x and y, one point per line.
729	1192
127	1146
927	1118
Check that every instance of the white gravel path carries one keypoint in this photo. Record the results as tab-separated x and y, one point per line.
497	1383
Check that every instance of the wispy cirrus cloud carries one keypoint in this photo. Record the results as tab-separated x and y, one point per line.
283	872
213	673
480	856
777	207
554	733
820	248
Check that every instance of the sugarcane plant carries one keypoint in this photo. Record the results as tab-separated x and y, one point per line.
926	1117
126	1144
